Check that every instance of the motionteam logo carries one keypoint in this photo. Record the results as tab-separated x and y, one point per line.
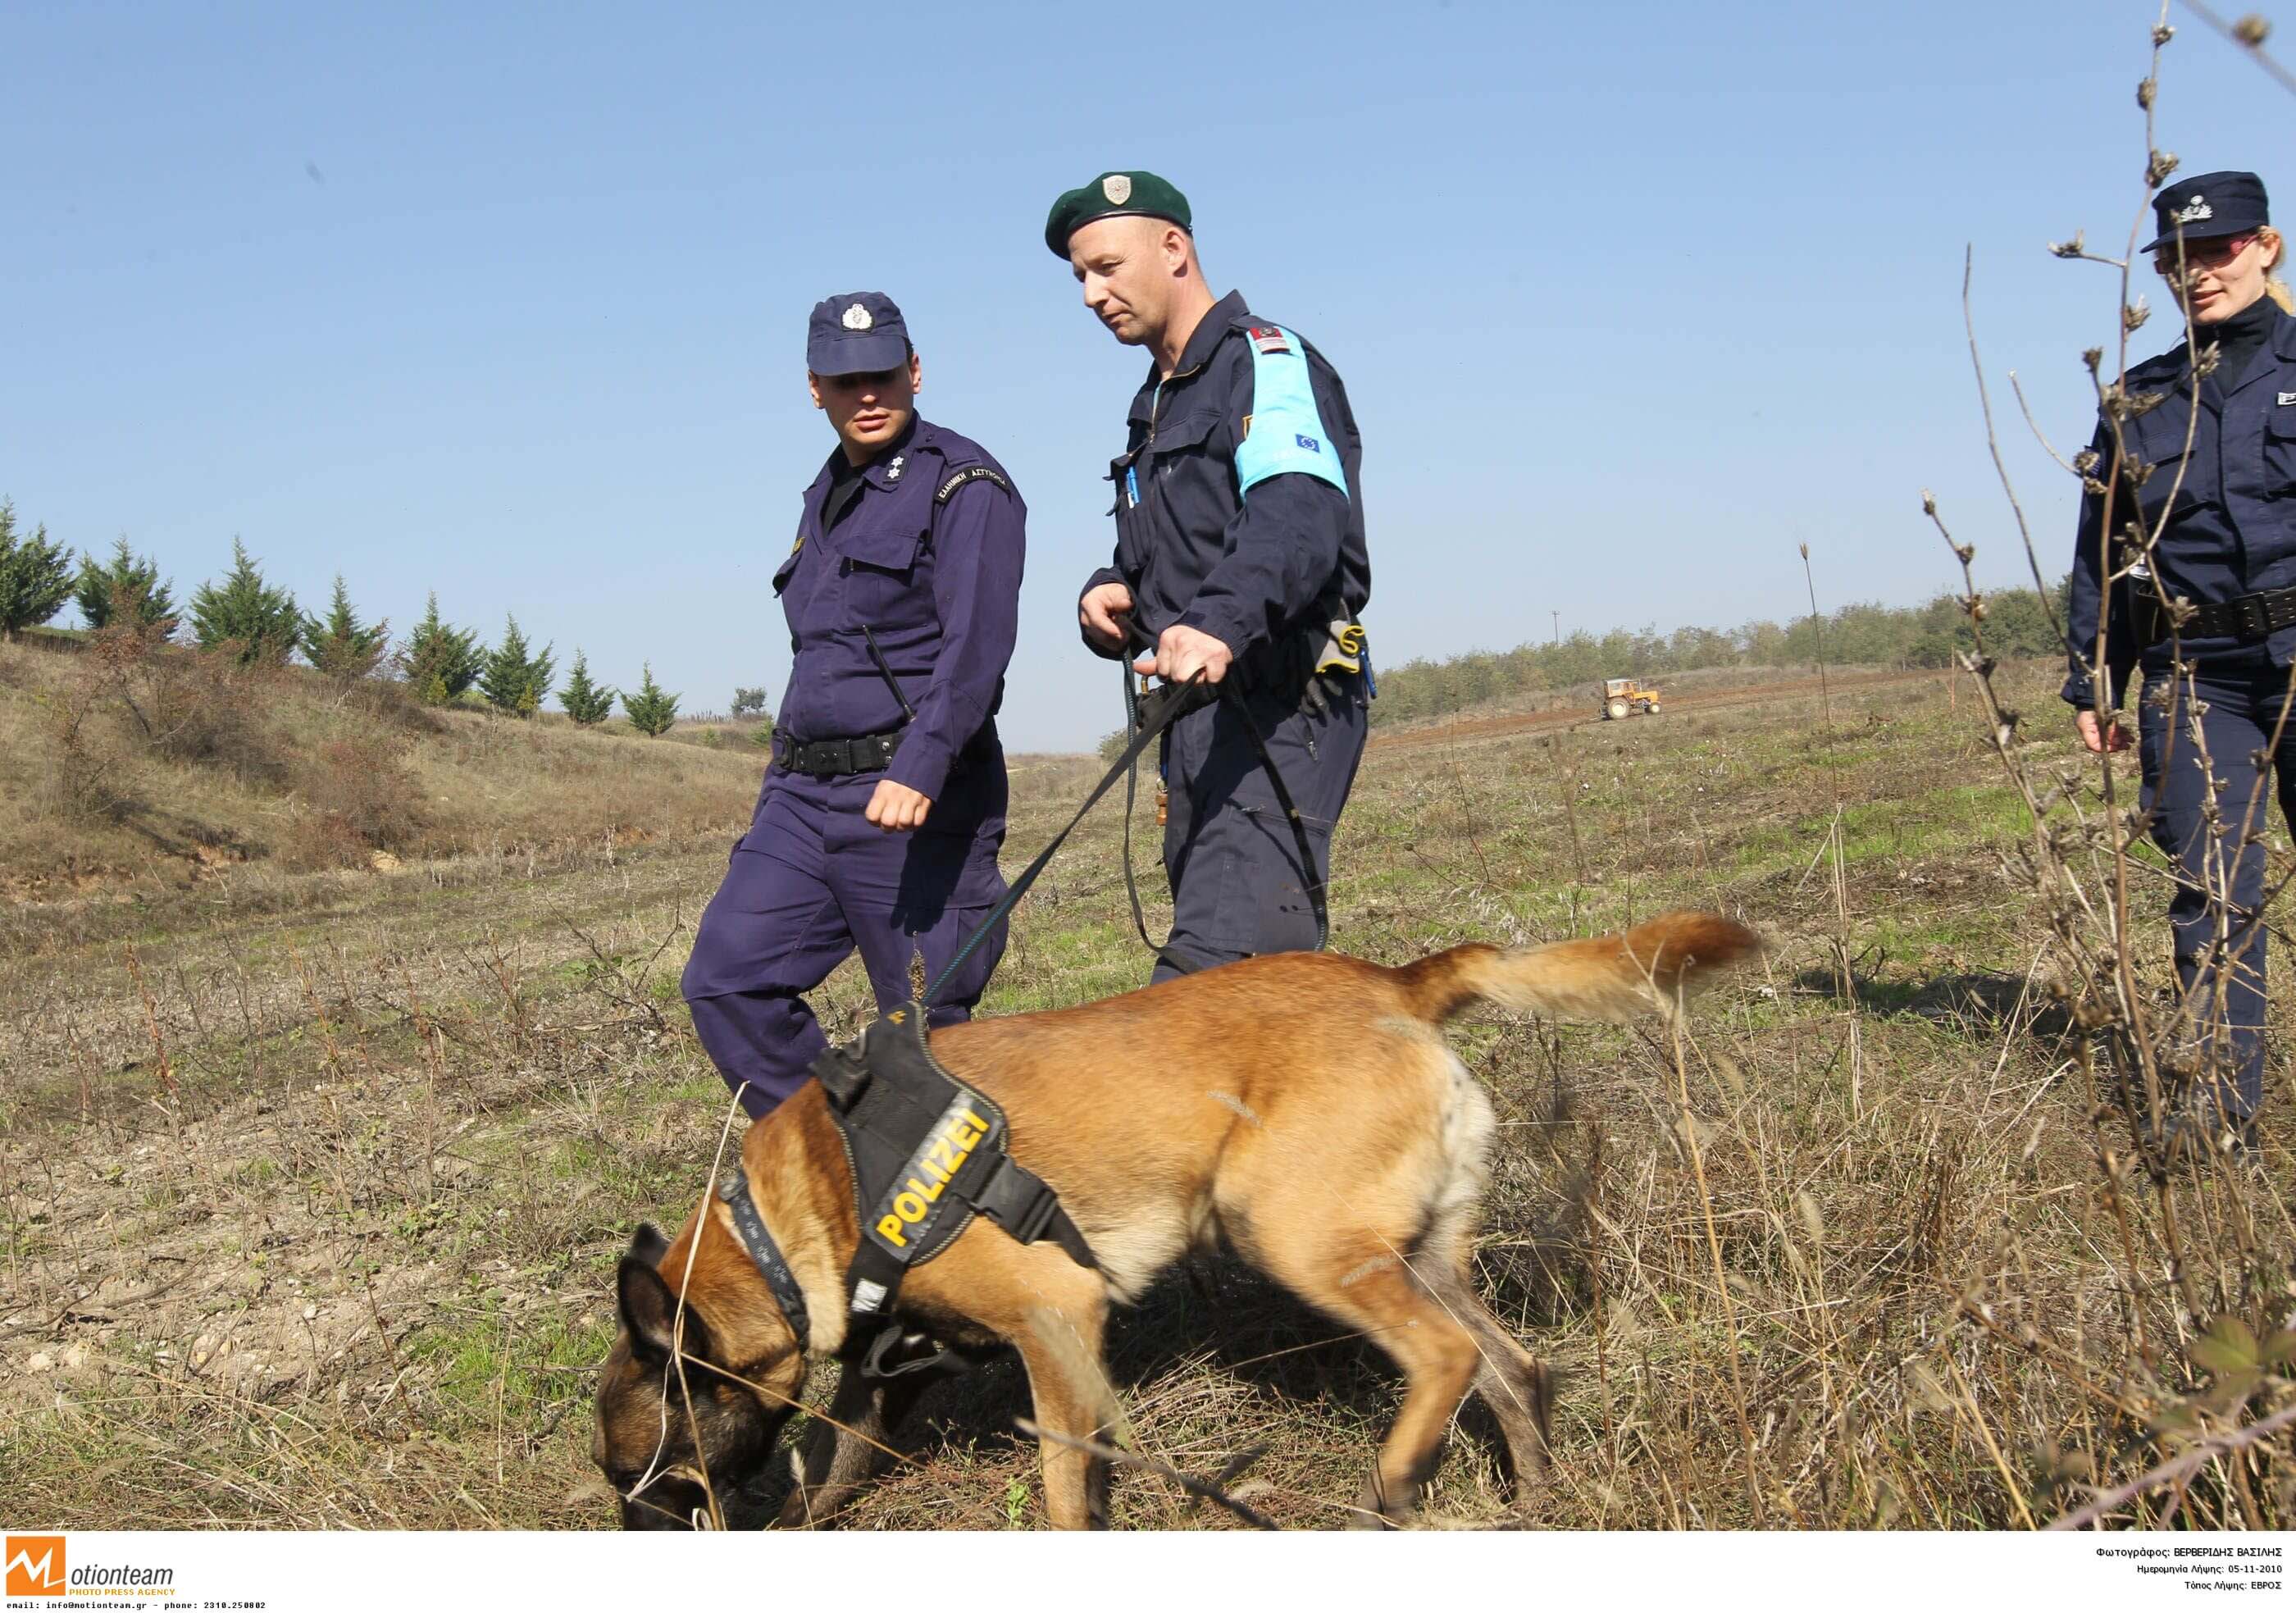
35	1567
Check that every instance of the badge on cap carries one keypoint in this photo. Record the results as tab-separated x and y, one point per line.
1117	188
857	318
2195	210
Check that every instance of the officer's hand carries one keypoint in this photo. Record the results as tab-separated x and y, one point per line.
2114	737
1098	610
896	809
1181	650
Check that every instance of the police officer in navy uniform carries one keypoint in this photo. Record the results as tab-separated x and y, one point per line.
1239	553
2226	545
880	817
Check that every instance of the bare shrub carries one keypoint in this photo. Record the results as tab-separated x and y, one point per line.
393	705
96	723
2187	1396
359	797
206	707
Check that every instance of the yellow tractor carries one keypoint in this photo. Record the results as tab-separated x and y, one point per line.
1623	696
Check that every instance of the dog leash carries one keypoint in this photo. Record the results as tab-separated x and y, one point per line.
1135	704
1164	719
1149	716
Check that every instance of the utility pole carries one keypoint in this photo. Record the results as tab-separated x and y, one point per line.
1557	614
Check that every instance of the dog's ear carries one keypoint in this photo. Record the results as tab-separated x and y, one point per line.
649	1310
649	1246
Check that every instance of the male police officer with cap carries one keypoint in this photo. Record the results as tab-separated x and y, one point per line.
880	817
1239	553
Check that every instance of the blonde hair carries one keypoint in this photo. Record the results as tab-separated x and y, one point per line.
2275	286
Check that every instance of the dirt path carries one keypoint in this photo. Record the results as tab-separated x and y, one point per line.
1572	716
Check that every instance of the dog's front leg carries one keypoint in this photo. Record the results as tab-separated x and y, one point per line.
838	1461
1072	1396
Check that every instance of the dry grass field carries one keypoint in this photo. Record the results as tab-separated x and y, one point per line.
312	1182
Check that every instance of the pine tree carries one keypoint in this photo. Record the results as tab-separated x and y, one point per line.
515	680
438	661
587	703
651	710
260	621
130	580
34	576
340	645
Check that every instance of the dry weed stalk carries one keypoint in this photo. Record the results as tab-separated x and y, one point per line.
2199	1371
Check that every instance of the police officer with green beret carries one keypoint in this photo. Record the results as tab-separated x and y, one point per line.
1239	554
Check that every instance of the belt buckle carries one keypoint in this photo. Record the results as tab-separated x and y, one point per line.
2255	616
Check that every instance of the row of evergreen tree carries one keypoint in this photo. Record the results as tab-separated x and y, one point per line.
244	616
443	664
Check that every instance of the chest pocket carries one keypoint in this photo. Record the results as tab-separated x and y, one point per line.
886	574
2280	452
1181	444
1186	484
2159	439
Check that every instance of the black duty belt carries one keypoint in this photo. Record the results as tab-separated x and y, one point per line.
2251	617
829	759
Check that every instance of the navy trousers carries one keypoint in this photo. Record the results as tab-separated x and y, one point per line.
1233	864
2242	697
812	882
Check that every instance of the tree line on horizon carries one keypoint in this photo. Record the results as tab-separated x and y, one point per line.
2017	624
443	665
257	624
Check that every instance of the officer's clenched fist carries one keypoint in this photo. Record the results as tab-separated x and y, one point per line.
895	808
1098	610
1181	650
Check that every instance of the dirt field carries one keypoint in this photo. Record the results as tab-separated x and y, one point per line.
312	1202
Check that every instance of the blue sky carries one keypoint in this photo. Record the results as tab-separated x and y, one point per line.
510	304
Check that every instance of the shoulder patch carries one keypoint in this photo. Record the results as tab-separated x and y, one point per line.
970	473
1283	434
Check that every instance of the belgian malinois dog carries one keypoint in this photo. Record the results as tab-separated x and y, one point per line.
1300	1109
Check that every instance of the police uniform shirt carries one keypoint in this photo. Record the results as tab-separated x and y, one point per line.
1238	500
924	553
2230	464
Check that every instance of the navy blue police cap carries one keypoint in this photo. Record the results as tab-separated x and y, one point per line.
858	333
2227	203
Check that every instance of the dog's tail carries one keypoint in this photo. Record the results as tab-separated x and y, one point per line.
1611	978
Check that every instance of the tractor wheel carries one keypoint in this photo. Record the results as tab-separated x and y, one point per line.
1616	709
1652	708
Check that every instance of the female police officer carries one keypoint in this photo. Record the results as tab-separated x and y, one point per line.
2222	467
880	818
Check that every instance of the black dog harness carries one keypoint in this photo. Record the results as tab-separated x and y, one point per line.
927	1154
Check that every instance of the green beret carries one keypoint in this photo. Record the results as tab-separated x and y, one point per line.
1120	195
